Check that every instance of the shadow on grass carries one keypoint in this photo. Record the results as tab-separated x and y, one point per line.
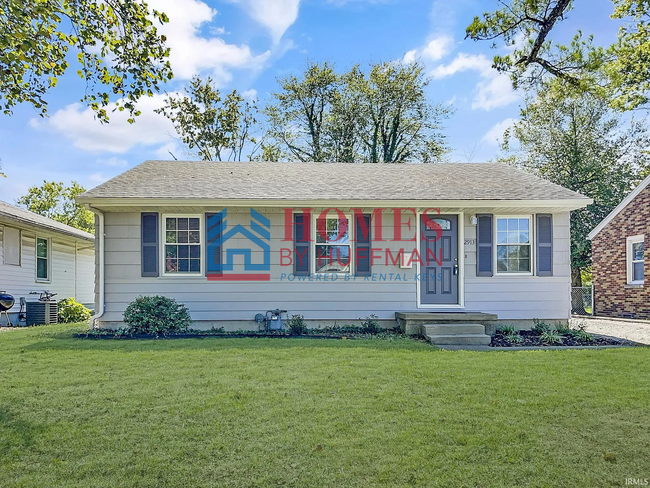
66	341
16	435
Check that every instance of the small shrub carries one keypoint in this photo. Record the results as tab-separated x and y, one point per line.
296	325
70	311
563	329
157	315
514	338
508	330
371	325
580	327
342	329
551	337
583	335
540	327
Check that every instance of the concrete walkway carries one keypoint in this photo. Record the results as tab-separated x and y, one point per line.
637	331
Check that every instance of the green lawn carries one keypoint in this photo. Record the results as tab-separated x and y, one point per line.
306	412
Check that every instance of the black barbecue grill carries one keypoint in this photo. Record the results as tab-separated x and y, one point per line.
6	303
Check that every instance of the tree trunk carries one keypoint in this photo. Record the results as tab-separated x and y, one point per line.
576	277
577	298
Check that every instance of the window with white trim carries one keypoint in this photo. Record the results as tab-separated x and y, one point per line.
514	248
332	244
182	249
42	259
635	260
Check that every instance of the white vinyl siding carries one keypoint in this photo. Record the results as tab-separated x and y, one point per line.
68	277
511	297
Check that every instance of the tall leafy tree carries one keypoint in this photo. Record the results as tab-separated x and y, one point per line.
218	128
619	73
298	116
117	48
382	116
56	201
583	145
401	124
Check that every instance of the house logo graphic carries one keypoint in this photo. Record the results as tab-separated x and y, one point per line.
221	264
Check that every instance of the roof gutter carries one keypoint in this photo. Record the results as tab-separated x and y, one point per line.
106	202
70	233
101	305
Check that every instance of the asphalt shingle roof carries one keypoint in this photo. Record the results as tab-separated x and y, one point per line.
328	181
23	216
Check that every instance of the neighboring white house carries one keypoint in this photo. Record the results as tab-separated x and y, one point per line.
37	253
229	241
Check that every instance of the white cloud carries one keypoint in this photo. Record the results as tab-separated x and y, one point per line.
410	56
113	161
494	136
464	62
250	94
438	48
166	150
276	15
98	178
190	53
78	123
493	91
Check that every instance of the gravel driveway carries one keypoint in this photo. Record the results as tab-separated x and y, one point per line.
623	329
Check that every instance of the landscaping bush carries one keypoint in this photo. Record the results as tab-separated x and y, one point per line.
551	337
508	330
157	315
70	311
583	335
563	329
296	325
540	327
514	339
371	325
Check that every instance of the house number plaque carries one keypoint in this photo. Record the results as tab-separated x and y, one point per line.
470	242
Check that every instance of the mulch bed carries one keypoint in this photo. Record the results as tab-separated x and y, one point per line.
238	335
530	338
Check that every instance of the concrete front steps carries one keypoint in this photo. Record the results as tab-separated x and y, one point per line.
448	328
456	334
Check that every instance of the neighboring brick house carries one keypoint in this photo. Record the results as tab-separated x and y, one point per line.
620	248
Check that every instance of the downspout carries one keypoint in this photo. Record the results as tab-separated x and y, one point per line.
99	233
76	268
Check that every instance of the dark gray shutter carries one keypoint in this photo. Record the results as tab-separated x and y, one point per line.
544	245
484	245
300	246
149	241
362	263
214	227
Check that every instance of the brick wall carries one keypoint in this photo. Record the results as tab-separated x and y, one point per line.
613	296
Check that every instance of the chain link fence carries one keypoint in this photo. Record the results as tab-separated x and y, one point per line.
582	300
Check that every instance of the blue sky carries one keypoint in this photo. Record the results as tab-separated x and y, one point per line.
247	44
